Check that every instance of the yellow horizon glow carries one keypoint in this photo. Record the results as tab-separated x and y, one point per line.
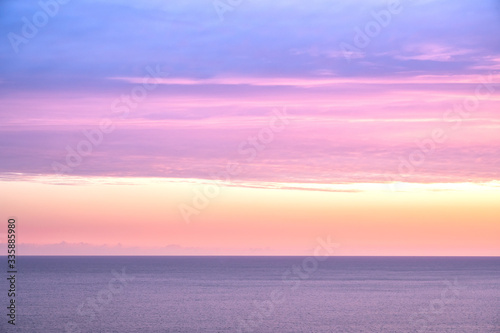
258	217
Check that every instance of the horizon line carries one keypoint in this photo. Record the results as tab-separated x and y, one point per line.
245	255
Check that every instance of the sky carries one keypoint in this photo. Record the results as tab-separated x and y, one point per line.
251	127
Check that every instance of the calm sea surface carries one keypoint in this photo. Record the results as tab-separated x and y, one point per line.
254	294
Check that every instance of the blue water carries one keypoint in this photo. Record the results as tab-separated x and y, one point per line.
255	294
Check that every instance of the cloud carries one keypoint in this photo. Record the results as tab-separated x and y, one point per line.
351	121
431	52
86	249
278	39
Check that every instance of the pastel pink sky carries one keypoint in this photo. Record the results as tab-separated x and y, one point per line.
342	132
108	132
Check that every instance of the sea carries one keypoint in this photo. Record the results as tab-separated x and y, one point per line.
189	294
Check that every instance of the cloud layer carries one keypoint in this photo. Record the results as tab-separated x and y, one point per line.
185	93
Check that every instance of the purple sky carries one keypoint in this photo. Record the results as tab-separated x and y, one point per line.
354	120
314	111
